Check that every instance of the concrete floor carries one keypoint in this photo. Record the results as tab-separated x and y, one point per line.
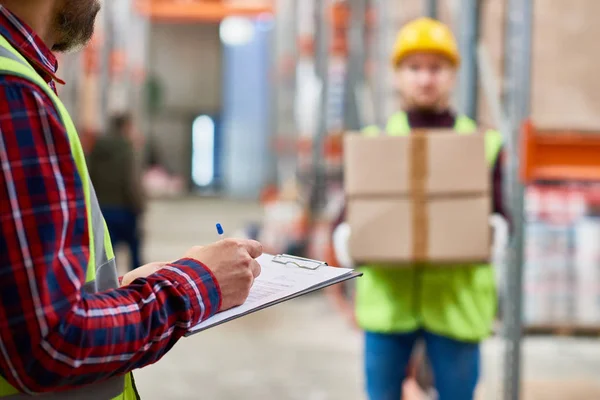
302	349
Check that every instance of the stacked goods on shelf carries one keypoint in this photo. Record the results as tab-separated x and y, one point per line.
311	223
562	269
587	262
548	255
335	96
331	159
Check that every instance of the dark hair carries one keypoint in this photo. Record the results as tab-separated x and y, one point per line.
119	123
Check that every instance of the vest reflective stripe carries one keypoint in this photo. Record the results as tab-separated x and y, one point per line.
398	125
101	273
105	269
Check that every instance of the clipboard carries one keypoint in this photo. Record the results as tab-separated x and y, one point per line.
300	262
318	275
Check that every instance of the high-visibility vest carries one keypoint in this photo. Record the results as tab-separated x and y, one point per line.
101	273
453	301
398	125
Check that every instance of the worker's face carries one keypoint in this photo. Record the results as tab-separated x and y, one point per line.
425	81
75	23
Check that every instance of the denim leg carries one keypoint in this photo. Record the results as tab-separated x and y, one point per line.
455	366
386	360
133	240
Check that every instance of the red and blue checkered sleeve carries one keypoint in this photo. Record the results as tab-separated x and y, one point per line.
52	335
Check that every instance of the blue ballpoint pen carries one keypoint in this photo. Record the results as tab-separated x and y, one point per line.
220	231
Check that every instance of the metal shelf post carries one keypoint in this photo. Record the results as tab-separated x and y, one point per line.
431	8
468	37
355	63
322	64
518	80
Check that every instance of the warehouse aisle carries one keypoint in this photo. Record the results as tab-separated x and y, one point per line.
302	349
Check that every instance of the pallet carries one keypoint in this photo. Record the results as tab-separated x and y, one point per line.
563	330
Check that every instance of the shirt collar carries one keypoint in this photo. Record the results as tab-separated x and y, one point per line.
29	44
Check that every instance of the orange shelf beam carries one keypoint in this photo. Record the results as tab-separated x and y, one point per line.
332	145
559	155
339	21
198	10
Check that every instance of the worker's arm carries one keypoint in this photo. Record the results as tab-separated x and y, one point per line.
52	334
343	303
498	187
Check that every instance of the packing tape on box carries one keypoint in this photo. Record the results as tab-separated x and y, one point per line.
418	162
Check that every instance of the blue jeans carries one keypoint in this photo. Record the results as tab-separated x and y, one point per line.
455	364
122	225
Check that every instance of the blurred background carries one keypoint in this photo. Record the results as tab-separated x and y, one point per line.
238	110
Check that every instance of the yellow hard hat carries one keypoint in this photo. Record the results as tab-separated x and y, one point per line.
425	35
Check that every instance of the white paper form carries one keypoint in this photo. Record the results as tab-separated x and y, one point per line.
276	283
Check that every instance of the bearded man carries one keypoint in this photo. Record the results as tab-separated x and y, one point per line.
69	327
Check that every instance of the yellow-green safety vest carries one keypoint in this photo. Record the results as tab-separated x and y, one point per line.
101	272
453	301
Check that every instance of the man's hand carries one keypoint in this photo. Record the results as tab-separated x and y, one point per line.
234	266
231	261
142	272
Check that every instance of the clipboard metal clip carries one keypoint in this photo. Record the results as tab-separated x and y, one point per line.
299	262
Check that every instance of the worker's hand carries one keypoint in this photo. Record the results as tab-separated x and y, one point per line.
142	272
234	266
341	237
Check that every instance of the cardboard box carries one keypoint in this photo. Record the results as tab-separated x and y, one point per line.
419	198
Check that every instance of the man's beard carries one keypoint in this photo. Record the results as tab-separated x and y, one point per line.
426	107
75	24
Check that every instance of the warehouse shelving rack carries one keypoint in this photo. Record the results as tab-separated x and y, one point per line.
560	155
313	160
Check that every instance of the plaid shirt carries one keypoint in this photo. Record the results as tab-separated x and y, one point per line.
52	335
